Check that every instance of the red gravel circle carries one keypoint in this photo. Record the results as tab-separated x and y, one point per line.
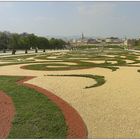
76	126
7	112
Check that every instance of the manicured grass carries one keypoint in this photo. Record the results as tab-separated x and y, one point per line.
14	58
80	65
68	67
36	116
91	54
99	79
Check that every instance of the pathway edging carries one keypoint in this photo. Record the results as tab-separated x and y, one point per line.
76	126
7	112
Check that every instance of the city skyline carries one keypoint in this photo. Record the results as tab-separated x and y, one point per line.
98	19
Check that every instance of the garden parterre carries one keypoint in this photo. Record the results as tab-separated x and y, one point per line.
110	110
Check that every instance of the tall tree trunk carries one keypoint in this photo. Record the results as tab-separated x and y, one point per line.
4	50
36	50
13	51
26	51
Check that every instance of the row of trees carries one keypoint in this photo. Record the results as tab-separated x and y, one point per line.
137	42
24	41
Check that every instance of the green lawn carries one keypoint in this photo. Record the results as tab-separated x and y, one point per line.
99	79
36	116
80	65
91	53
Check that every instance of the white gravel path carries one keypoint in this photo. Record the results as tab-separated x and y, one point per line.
129	61
112	56
67	63
100	61
112	62
94	61
52	57
51	60
75	58
56	66
3	62
138	58
109	111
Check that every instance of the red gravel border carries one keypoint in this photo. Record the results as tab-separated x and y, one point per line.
76	126
7	112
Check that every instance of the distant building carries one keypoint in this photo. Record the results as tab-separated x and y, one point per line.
92	41
100	40
113	40
97	42
130	42
82	36
79	42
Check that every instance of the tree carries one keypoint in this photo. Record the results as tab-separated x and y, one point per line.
24	43
43	43
139	42
4	40
14	42
52	43
57	43
33	41
61	44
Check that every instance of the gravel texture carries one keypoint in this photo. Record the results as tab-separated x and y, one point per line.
109	111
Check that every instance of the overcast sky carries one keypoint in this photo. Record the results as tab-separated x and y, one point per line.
101	19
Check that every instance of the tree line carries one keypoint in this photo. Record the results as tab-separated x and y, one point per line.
25	41
137	42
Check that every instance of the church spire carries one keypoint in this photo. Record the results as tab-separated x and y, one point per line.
82	36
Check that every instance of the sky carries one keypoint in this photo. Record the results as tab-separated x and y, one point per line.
97	19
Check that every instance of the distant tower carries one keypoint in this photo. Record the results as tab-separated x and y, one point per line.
82	36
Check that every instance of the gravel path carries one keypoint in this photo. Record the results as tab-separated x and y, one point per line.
109	111
7	112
